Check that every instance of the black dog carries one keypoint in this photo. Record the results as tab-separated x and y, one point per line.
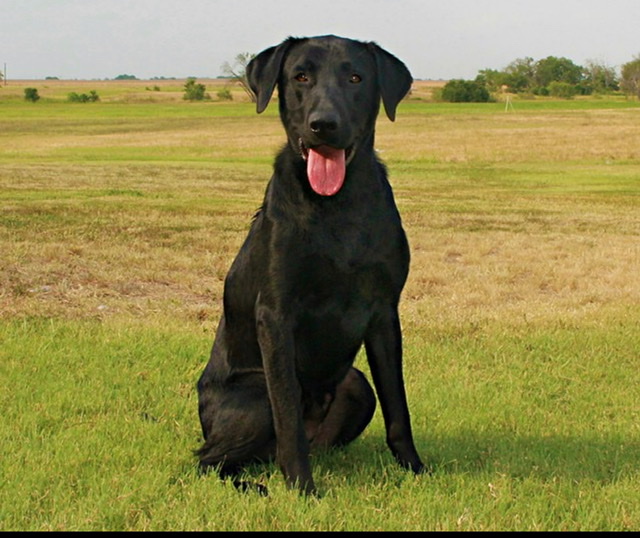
320	272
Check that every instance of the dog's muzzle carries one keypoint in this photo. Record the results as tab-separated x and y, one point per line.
304	151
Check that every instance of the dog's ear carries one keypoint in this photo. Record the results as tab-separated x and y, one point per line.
263	72
393	77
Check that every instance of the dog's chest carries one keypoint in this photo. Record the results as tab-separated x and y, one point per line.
346	264
345	248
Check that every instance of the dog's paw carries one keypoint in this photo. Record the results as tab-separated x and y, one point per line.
246	487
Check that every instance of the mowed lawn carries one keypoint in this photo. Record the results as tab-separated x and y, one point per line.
521	316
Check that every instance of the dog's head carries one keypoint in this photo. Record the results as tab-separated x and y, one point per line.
329	91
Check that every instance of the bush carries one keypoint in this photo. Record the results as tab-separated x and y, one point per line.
224	95
465	91
564	90
31	94
91	97
630	82
194	91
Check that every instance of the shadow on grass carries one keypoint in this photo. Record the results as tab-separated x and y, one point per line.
368	460
603	459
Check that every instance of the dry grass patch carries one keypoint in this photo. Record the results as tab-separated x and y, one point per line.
510	215
513	137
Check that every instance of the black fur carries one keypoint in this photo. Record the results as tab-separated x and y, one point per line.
316	277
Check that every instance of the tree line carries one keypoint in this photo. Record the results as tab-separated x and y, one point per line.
557	77
550	76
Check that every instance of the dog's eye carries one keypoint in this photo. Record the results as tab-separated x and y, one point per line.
302	77
355	79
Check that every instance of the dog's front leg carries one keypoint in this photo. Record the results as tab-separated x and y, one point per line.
384	354
277	348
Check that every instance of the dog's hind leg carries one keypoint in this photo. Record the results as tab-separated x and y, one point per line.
237	426
348	414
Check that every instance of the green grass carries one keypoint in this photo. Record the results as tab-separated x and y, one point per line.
526	430
118	222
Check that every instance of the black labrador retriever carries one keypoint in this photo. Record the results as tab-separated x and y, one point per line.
320	272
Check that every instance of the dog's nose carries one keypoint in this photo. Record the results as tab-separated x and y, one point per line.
319	126
323	125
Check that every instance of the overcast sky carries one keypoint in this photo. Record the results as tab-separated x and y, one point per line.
437	39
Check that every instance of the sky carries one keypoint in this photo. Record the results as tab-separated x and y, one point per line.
436	39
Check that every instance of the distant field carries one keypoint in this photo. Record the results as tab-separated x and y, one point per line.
119	220
161	91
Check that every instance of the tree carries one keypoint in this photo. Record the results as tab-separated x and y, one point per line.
194	91
465	91
599	78
552	69
238	72
630	80
527	75
520	75
492	79
31	94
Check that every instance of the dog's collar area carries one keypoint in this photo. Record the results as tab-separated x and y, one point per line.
304	151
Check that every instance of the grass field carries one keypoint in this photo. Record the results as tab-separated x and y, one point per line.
119	220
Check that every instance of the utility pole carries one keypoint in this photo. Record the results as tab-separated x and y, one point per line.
4	73
509	104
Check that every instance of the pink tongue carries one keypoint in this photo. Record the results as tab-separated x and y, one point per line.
326	169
